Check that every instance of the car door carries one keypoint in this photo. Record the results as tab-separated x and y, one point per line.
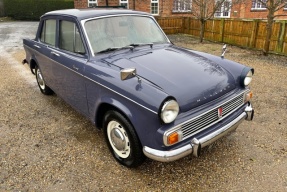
43	44
69	64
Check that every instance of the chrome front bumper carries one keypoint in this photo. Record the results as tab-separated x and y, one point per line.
195	145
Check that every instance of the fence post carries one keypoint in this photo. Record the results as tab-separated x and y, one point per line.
185	24
188	24
280	43
222	23
254	34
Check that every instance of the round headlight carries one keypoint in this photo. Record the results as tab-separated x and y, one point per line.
169	111
248	78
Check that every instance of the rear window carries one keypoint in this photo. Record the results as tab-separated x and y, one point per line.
48	33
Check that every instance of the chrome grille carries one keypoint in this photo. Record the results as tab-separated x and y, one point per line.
202	122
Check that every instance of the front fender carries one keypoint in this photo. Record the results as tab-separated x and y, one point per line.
113	103
145	122
233	67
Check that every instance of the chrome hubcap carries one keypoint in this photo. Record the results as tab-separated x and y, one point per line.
118	139
40	79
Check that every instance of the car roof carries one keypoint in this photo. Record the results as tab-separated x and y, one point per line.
82	14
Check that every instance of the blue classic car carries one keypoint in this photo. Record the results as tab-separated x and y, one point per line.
150	97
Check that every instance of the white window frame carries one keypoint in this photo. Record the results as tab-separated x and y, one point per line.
222	12
155	2
257	5
92	3
177	6
124	2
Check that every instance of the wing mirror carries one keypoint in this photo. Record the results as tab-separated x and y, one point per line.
129	73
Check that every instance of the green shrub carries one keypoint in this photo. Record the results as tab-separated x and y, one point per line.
33	9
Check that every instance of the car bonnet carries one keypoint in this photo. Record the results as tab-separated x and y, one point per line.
188	77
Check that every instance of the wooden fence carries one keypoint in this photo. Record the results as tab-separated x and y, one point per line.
244	33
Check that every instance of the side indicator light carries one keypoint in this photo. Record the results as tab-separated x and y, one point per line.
172	138
248	96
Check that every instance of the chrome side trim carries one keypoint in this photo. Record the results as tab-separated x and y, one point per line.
195	145
58	51
121	95
58	62
96	82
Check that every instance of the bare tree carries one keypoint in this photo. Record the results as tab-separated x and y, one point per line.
204	10
272	7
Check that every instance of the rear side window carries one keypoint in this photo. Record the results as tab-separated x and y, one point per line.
48	34
70	38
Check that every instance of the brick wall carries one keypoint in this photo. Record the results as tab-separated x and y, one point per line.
246	12
80	4
142	5
165	8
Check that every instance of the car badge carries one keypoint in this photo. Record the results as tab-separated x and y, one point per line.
219	110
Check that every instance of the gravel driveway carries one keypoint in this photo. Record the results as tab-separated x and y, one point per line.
45	145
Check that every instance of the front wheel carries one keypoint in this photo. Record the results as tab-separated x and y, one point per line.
122	140
41	83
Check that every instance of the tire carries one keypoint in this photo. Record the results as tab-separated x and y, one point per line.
122	140
41	83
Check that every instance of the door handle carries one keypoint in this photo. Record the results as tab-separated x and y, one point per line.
37	46
74	67
56	54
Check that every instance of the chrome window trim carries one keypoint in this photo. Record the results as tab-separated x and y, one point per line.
178	127
118	15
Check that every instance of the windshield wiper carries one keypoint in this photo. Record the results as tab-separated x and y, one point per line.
116	48
131	46
141	44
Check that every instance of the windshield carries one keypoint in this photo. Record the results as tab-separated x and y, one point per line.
122	31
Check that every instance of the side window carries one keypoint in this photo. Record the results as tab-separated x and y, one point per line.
48	34
70	38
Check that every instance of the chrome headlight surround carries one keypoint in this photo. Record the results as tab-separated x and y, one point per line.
169	111
246	76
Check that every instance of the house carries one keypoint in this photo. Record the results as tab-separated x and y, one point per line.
163	8
173	8
255	9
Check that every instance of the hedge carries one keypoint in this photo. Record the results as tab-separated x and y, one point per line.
33	9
